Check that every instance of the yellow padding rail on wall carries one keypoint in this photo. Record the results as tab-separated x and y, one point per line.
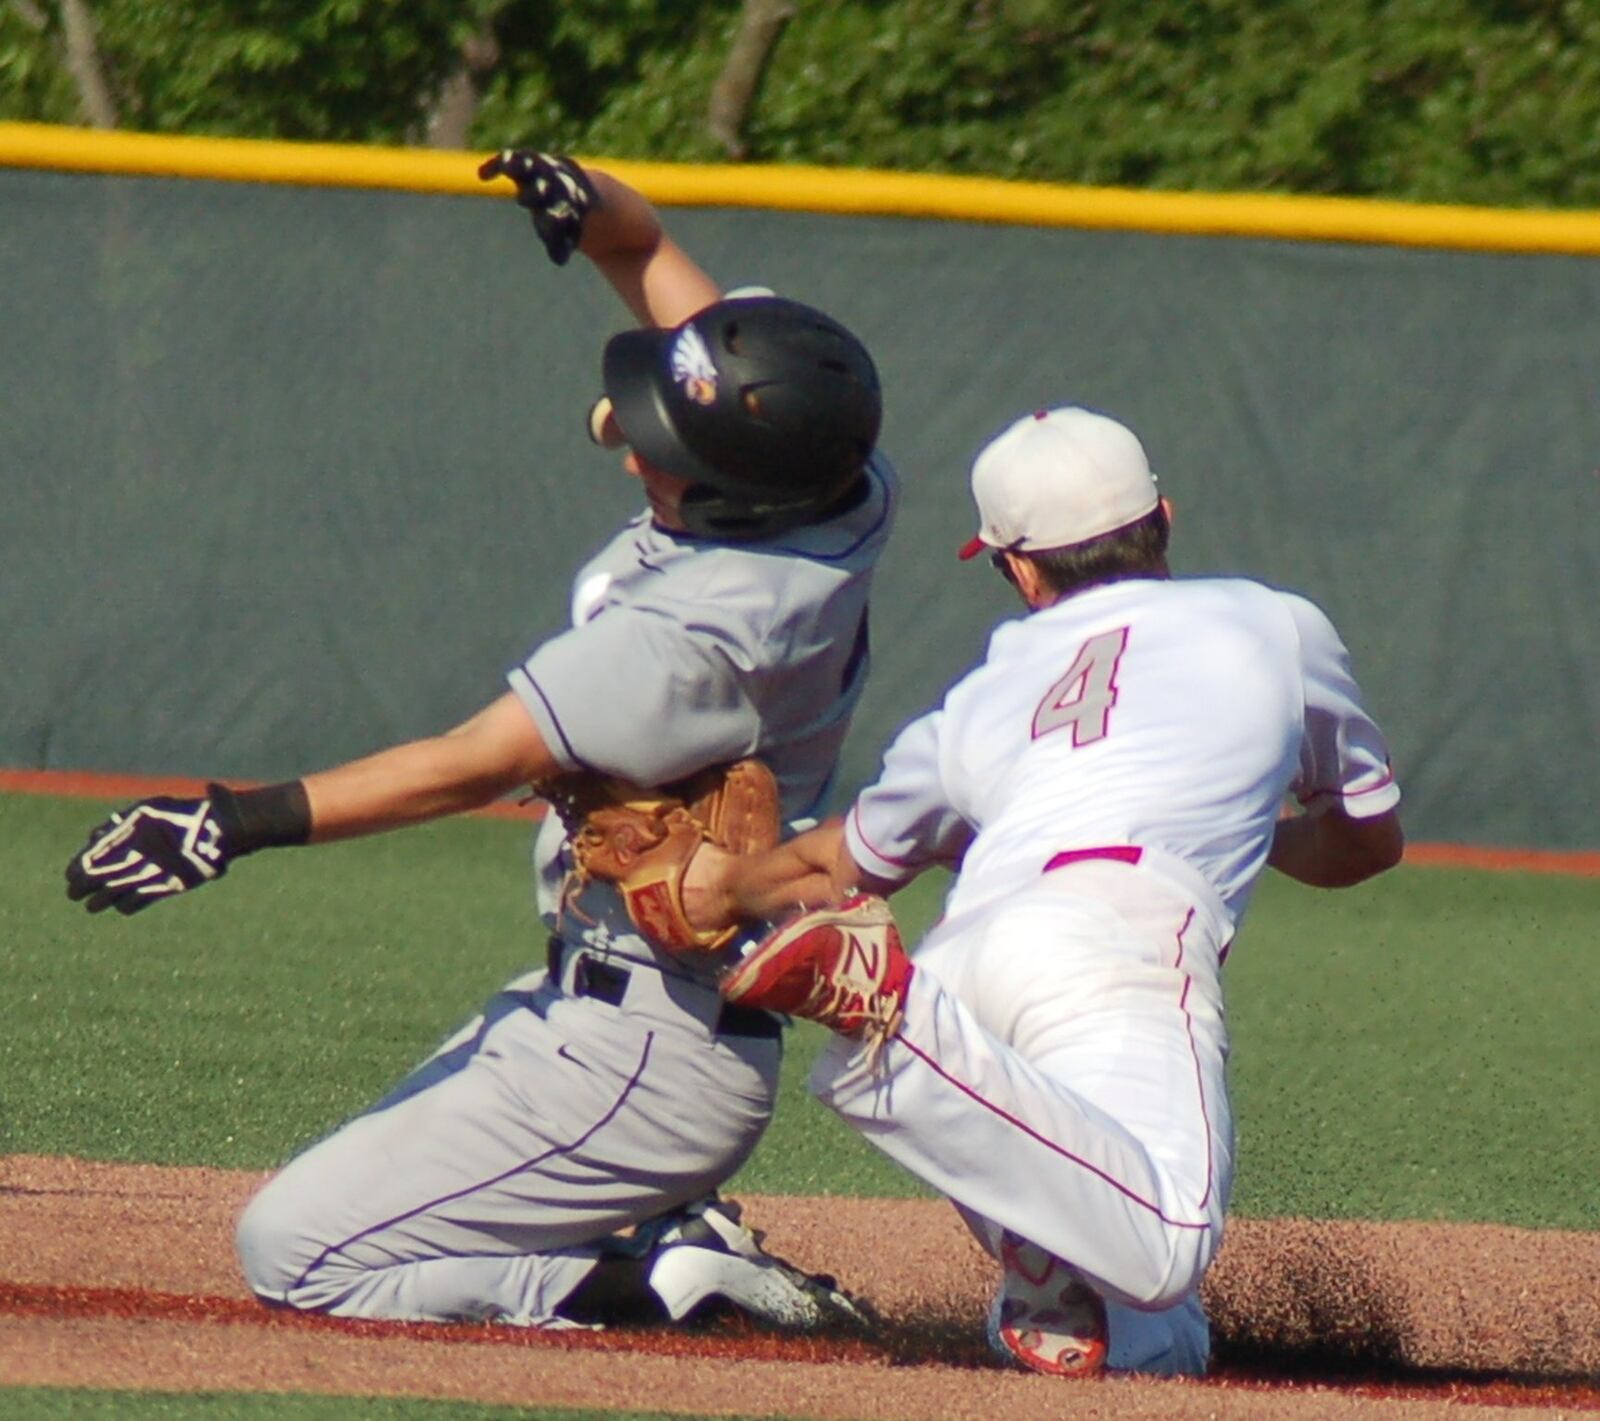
827	190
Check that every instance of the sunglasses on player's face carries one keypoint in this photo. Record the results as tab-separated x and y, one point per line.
998	561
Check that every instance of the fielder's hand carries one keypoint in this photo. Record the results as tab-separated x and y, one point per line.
556	191
149	851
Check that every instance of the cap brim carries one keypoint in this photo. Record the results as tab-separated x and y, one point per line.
971	548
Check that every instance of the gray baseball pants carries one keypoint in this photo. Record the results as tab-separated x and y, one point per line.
481	1187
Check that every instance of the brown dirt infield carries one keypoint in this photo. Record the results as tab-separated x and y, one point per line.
123	1276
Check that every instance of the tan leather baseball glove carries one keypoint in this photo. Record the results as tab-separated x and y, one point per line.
642	839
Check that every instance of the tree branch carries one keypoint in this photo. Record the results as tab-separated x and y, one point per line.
31	15
457	105
83	63
760	24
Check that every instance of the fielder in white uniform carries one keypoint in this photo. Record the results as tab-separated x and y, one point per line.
1109	785
612	1088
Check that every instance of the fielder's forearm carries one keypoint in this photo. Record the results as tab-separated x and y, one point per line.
1333	850
720	889
796	874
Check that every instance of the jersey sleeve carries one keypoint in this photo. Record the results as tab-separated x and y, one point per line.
637	693
1344	759
904	823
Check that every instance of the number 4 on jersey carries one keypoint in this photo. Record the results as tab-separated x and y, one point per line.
1083	698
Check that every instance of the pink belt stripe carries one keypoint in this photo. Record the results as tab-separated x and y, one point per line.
1118	853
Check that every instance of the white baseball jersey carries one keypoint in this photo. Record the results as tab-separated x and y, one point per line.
1174	715
1107	783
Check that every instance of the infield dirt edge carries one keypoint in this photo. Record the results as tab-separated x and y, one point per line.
1410	1317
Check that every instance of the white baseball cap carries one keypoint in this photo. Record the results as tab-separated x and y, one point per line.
1058	477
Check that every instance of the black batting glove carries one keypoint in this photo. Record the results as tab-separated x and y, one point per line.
151	850
556	191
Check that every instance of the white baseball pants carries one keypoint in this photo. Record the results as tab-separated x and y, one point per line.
1060	1072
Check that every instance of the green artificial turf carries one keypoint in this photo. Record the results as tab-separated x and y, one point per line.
238	1023
1420	1047
1424	1047
58	1404
230	1025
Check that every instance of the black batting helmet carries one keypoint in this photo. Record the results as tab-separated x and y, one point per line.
770	408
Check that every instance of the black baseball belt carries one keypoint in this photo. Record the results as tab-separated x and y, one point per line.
607	982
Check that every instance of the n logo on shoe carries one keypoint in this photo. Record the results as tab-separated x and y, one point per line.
862	964
842	967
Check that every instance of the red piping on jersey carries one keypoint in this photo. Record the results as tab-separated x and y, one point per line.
1125	1190
908	865
1194	1052
1200	1082
1118	853
1338	792
1177	961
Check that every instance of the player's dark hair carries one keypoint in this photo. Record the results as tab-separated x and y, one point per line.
1139	550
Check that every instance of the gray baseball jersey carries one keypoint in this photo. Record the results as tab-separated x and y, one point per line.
685	653
613	1086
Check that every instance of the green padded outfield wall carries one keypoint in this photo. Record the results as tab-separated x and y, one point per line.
287	473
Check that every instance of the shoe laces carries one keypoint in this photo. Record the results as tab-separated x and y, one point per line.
875	1015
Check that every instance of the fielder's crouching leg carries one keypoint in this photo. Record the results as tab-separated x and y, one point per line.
1175	1342
1166	1269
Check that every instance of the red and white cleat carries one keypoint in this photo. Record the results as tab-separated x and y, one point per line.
841	966
1045	1317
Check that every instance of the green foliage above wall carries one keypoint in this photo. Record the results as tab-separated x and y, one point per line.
330	69
1481	101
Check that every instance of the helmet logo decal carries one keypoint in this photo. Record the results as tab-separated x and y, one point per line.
692	367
